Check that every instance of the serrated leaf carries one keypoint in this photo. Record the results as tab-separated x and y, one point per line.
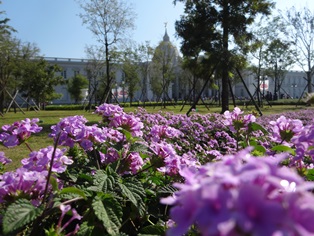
102	182
85	229
109	212
135	193
167	189
153	230
19	214
73	190
85	177
138	147
283	148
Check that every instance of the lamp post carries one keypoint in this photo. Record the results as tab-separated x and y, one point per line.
294	85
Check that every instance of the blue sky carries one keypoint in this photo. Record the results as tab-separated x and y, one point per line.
55	27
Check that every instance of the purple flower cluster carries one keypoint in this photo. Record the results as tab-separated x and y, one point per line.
135	162
305	115
304	142
236	121
30	179
166	159
22	183
283	129
161	132
108	110
18	132
192	136
40	160
115	117
129	123
242	195
73	129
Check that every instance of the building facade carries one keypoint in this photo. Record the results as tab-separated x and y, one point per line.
293	82
294	85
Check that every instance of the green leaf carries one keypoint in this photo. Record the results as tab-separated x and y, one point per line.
54	183
167	189
260	149
254	126
310	174
19	214
283	148
73	190
109	212
102	182
135	193
85	229
85	177
138	147
153	230
127	134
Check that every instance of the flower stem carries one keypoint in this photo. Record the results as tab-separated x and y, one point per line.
50	168
29	148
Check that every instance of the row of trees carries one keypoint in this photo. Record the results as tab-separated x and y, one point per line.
231	38
23	71
219	39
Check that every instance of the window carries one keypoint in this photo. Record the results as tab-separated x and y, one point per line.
64	74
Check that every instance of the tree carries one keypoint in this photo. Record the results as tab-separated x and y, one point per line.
75	86
210	25
39	81
300	31
7	52
130	68
272	52
109	21
95	73
163	65
267	34
200	70
145	53
279	56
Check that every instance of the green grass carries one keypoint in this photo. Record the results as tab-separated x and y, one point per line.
49	118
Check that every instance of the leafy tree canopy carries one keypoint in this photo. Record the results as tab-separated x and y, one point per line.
221	29
75	86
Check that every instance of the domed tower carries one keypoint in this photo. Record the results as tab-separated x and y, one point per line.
165	66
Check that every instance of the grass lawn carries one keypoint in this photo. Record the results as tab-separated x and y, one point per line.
49	118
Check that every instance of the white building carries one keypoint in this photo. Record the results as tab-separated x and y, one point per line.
71	67
293	85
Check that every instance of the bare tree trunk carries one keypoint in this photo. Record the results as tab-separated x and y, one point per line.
309	82
1	100
225	61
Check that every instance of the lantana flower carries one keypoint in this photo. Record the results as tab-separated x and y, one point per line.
284	129
19	132
242	195
236	121
40	160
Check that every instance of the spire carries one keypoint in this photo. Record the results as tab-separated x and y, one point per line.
166	37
